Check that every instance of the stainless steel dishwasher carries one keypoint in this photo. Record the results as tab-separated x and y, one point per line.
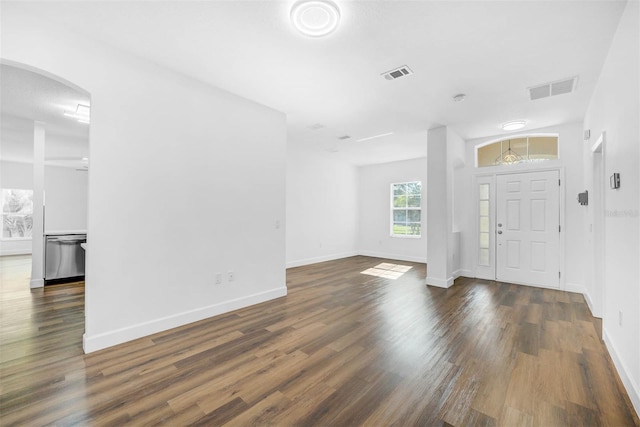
64	257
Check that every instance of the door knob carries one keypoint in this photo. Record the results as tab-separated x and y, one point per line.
499	231
499	224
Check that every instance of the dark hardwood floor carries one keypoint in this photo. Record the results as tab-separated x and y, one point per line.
342	349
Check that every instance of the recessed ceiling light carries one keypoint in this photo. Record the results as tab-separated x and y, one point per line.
315	18
514	125
459	97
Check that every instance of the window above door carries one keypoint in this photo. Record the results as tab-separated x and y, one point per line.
517	149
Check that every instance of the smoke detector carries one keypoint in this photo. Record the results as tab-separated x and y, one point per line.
397	73
558	87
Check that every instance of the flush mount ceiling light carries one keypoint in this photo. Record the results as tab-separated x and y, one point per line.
459	97
82	113
315	18
514	125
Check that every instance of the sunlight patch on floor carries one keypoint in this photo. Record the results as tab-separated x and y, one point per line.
387	270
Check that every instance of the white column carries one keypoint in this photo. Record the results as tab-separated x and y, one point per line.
438	210
37	258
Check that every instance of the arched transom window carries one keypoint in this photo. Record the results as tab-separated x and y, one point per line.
520	149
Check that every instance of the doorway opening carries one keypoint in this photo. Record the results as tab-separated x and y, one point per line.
44	157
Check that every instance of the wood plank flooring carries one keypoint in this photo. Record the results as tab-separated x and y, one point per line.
342	349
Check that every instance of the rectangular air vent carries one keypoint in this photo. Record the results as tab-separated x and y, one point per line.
397	73
553	88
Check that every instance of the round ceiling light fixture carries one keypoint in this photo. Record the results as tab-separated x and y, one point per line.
459	97
514	125
315	18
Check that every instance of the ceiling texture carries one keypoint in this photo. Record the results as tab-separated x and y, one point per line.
26	97
492	51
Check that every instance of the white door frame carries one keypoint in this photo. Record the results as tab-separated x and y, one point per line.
598	232
478	177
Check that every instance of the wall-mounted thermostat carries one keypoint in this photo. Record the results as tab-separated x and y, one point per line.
614	181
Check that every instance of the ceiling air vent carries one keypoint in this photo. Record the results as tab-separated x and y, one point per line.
553	88
397	73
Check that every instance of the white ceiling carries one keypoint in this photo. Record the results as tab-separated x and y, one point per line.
26	97
490	50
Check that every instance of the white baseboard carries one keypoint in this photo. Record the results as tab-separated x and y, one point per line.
315	260
97	342
632	388
575	287
332	257
580	289
440	283
384	255
36	283
466	273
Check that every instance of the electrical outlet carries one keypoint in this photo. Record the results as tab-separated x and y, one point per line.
230	275
218	278
620	317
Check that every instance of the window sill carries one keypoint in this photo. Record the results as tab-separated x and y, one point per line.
400	236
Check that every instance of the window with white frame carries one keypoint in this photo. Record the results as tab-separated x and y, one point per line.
17	214
520	149
406	209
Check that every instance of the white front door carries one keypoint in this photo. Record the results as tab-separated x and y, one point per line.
528	228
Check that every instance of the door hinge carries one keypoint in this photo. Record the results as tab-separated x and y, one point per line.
558	274
559	229
558	183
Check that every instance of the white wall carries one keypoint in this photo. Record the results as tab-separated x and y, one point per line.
322	208
614	109
65	193
186	180
570	160
374	206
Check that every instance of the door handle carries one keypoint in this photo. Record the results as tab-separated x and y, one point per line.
499	231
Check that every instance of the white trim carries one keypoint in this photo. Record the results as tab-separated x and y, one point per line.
466	273
440	283
580	289
562	194
627	380
93	343
333	257
315	260
36	283
397	257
